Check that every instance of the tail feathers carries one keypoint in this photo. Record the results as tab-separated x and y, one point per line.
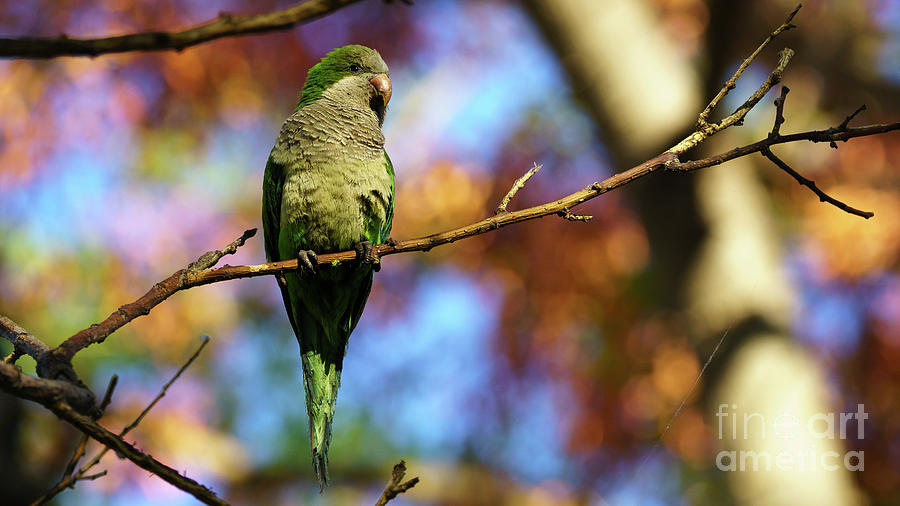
322	379
320	463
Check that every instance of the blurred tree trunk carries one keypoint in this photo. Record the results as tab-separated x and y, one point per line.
19	484
715	252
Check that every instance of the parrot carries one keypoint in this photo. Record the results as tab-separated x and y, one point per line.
328	187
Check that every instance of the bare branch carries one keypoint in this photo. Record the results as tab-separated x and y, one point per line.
23	342
45	391
185	279
69	401
846	122
829	135
210	258
92	477
779	112
74	390
396	485
70	478
824	197
518	185
161	291
225	25
702	120
79	451
126	450
165	388
737	117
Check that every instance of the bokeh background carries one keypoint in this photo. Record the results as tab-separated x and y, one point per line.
538	364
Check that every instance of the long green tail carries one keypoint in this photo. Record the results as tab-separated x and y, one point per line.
326	310
322	379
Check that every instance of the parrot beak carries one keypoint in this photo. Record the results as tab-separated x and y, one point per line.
382	85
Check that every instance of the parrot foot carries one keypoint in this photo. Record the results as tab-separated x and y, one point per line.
391	242
306	260
366	255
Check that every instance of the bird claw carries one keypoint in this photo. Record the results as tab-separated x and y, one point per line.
306	261
366	255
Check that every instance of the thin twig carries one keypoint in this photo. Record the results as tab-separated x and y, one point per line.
779	112
211	258
844	124
706	129
110	388
730	84
70	478
737	117
79	451
396	485
518	185
828	135
809	183
128	451
92	477
165	388
774	134
225	25
52	394
94	461
161	291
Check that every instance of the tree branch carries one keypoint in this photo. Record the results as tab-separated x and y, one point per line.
830	135
730	84
46	391
706	130
161	291
517	185
70	477
23	342
188	278
115	442
70	402
809	183
396	485
139	458
225	25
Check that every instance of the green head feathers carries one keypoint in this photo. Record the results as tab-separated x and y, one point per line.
352	60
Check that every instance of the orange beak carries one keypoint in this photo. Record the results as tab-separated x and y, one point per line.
382	85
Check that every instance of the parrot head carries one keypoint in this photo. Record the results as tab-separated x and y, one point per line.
354	74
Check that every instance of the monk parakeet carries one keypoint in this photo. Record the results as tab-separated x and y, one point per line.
329	186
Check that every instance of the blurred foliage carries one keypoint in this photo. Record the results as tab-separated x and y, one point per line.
531	365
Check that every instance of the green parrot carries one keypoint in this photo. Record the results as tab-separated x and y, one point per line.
329	186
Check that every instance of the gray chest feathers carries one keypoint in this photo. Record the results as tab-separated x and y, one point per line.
337	187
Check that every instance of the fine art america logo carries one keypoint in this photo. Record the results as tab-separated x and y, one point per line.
802	457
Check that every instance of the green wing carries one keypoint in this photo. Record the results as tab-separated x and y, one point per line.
273	183
389	218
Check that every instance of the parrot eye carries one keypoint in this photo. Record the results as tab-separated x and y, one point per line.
354	67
